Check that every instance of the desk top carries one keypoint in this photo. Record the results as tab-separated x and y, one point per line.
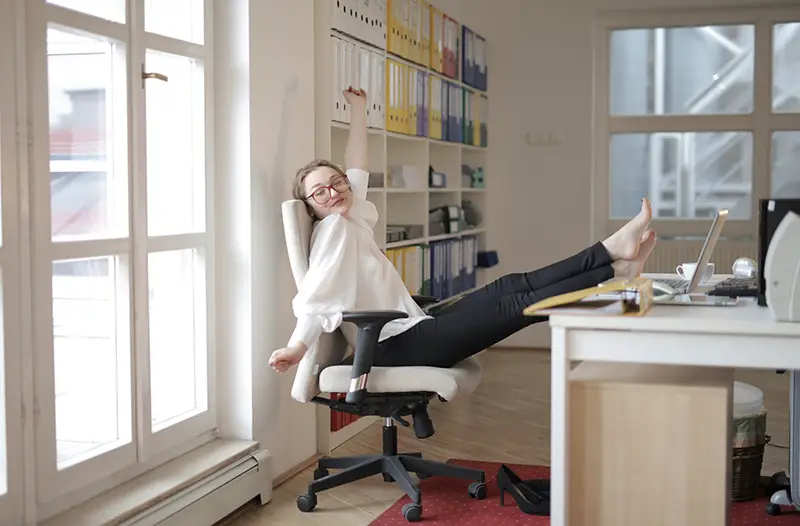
747	318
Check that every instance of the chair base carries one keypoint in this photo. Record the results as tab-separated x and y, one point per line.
395	468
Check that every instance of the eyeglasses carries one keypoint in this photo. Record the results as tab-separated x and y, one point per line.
323	194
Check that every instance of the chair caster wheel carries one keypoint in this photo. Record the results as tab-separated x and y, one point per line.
306	503
477	490
773	509
412	512
320	473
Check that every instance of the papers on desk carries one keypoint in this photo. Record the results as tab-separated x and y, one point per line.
618	298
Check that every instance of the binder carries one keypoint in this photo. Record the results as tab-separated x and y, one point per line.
425	33
411	101
484	109
377	91
437	39
350	12
426	270
344	77
363	74
391	95
336	67
339	16
405	22
444	92
414	33
451	52
393	26
467	57
481	66
424	103
360	23
377	20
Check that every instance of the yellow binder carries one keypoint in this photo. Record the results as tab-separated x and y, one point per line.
437	39
425	33
434	107
413	89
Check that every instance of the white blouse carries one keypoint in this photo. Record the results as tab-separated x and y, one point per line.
348	272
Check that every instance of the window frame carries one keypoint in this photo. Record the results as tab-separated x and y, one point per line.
145	449
761	122
12	502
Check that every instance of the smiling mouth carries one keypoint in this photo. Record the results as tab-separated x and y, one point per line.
337	201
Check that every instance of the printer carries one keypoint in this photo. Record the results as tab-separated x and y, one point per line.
782	270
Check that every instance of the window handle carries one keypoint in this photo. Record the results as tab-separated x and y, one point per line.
157	76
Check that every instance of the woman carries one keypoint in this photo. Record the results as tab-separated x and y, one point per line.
348	272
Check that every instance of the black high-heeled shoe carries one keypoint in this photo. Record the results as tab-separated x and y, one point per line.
528	501
539	486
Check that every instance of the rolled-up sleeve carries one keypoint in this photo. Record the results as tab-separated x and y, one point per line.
329	287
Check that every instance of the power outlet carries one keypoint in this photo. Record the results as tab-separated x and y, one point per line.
543	138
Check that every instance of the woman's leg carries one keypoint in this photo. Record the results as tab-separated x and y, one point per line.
456	334
584	261
624	244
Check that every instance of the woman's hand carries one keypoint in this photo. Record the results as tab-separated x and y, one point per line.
356	98
282	359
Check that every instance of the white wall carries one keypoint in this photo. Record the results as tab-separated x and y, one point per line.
540	80
260	145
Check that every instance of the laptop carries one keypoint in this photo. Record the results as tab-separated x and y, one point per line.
681	286
679	291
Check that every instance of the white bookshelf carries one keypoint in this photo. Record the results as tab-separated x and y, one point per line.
340	20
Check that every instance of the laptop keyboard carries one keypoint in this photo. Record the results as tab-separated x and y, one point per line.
680	285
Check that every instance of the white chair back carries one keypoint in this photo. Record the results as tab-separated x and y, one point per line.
331	348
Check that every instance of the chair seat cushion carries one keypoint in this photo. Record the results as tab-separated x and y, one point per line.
449	383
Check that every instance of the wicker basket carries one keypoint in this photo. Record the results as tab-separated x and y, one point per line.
747	462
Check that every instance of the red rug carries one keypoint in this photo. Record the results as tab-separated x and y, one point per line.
445	502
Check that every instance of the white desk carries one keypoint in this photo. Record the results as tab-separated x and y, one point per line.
740	336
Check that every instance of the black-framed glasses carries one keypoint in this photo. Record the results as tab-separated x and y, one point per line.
323	194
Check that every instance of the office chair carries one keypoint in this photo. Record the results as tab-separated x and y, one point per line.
389	392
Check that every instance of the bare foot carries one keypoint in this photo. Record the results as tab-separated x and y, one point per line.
625	242
632	268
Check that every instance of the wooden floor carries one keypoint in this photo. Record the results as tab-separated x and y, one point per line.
506	420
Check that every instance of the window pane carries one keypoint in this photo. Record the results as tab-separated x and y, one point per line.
88	187
181	19
91	358
683	70
177	336
176	164
113	10
786	68
685	175
785	160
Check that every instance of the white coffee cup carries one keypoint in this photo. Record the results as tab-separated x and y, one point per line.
687	270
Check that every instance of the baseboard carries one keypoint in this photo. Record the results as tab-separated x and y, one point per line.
347	432
299	468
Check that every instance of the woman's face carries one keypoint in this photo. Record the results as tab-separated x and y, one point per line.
328	192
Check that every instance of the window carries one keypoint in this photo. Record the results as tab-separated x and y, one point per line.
696	111
119	100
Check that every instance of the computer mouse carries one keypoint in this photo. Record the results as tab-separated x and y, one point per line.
744	268
663	289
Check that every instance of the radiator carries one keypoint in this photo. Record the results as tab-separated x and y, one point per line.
668	254
213	498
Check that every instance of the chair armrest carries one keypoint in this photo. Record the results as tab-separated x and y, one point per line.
424	301
370	324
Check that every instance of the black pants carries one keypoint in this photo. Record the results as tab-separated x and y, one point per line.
493	313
